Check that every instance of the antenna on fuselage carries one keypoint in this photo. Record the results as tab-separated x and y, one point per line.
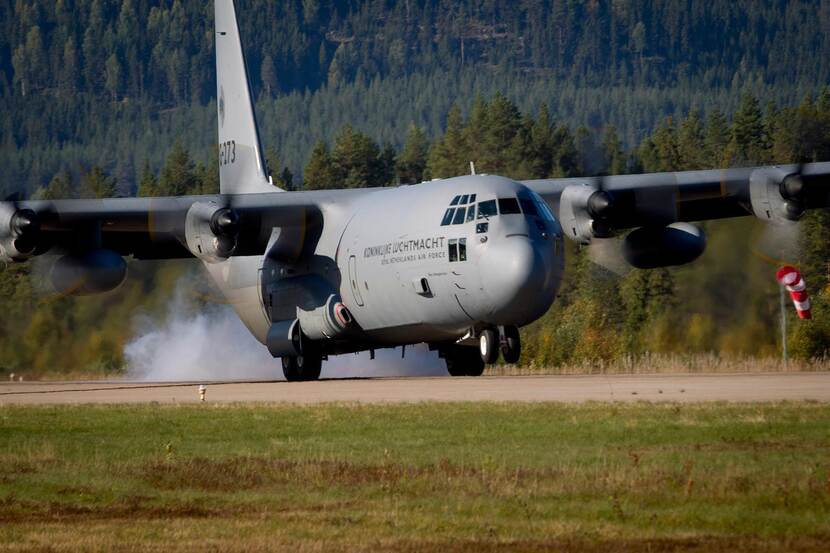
472	168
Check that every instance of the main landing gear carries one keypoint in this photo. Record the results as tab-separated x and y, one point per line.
464	360
302	368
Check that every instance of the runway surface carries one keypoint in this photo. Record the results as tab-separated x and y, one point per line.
670	387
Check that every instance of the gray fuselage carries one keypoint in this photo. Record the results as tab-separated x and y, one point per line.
406	278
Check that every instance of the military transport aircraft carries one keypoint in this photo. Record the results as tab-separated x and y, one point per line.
459	263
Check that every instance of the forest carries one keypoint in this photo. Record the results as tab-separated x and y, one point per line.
113	83
116	98
725	303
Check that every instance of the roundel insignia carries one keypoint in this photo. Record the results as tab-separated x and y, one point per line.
221	106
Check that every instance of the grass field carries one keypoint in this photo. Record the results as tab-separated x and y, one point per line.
470	477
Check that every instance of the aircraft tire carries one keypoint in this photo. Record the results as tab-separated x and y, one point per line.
488	346
511	349
464	361
302	368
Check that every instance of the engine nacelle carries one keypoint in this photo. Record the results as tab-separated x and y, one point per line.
19	230
776	195
211	231
327	321
90	273
652	247
583	213
303	308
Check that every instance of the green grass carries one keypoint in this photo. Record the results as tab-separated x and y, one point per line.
477	477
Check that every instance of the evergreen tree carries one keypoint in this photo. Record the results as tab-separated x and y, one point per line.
717	138
97	184
319	171
148	185
748	138
412	161
447	156
178	176
615	158
691	142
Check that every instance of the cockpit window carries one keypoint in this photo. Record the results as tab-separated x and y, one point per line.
448	217
455	200
463	200
487	209
471	213
459	216
472	198
509	206
528	207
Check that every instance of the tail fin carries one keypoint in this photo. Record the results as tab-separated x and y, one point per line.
242	166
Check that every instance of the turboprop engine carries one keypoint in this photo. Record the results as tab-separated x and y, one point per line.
19	230
211	231
585	213
652	247
777	195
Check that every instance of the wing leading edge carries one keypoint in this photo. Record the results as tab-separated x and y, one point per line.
591	207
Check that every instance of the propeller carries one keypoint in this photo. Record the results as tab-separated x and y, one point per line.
600	207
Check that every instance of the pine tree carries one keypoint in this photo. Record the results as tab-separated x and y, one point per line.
147	184
615	158
540	151
319	171
717	137
691	142
447	155
178	176
748	139
412	161
97	184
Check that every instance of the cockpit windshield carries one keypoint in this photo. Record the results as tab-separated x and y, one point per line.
487	209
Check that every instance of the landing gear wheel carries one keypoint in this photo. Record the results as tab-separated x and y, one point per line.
511	347
488	346
302	367
463	361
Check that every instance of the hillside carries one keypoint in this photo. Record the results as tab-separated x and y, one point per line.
117	82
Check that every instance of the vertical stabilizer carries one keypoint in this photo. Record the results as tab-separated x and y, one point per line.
241	162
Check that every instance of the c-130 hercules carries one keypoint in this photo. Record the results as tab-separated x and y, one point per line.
459	263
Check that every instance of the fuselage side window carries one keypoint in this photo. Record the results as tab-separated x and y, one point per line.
471	213
455	200
508	206
448	217
453	245
487	209
462	249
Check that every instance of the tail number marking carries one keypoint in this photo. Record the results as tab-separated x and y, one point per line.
227	152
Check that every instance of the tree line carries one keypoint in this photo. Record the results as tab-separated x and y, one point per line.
113	83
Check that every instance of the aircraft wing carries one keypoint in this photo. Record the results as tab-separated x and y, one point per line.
593	207
158	228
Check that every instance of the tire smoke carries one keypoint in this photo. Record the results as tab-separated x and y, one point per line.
194	341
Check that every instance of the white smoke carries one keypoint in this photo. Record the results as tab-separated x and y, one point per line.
204	343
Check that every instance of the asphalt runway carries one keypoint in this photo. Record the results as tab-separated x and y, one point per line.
666	387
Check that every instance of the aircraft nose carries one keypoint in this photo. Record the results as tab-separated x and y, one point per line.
518	276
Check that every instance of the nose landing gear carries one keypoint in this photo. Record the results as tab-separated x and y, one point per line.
464	360
511	344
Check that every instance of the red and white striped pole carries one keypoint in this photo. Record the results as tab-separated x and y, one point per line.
791	279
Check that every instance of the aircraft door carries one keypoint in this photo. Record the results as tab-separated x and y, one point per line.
358	298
